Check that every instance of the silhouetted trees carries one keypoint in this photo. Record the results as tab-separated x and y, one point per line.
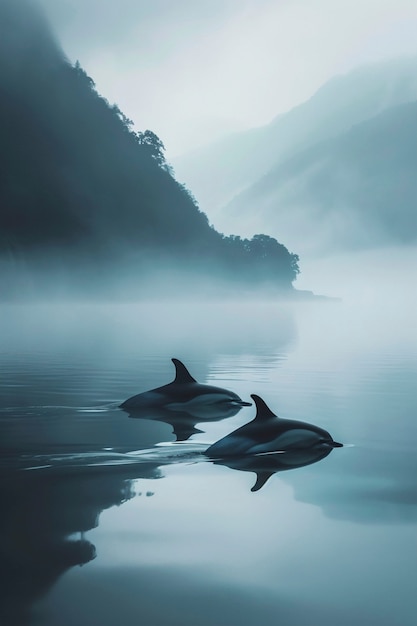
263	258
155	147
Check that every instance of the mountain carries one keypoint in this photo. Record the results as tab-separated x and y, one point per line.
81	192
356	190
238	161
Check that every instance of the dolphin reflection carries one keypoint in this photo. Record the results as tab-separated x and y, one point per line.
184	422
266	465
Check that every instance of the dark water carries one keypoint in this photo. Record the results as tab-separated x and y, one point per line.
165	537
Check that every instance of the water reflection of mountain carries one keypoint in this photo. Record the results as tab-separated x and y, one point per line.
44	510
40	514
56	429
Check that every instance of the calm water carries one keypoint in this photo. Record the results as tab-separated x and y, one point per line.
167	538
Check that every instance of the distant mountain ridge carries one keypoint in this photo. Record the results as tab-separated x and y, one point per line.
238	161
356	190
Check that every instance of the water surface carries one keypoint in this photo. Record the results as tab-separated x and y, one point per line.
164	536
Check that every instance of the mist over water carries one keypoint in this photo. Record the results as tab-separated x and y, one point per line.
325	539
110	276
384	275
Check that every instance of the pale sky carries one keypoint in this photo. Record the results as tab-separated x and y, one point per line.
195	70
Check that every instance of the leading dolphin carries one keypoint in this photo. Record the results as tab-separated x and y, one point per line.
184	393
268	433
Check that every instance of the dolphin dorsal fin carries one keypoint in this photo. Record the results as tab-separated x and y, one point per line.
182	375
263	411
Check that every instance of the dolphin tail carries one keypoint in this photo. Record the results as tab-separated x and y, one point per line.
261	479
182	375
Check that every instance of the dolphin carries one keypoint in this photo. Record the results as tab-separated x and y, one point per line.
268	433
184	393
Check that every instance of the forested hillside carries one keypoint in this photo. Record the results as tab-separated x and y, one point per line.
79	183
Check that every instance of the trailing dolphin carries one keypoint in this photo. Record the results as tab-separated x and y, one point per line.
184	393
268	433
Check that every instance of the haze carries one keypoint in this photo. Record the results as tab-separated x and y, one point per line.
195	71
109	268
